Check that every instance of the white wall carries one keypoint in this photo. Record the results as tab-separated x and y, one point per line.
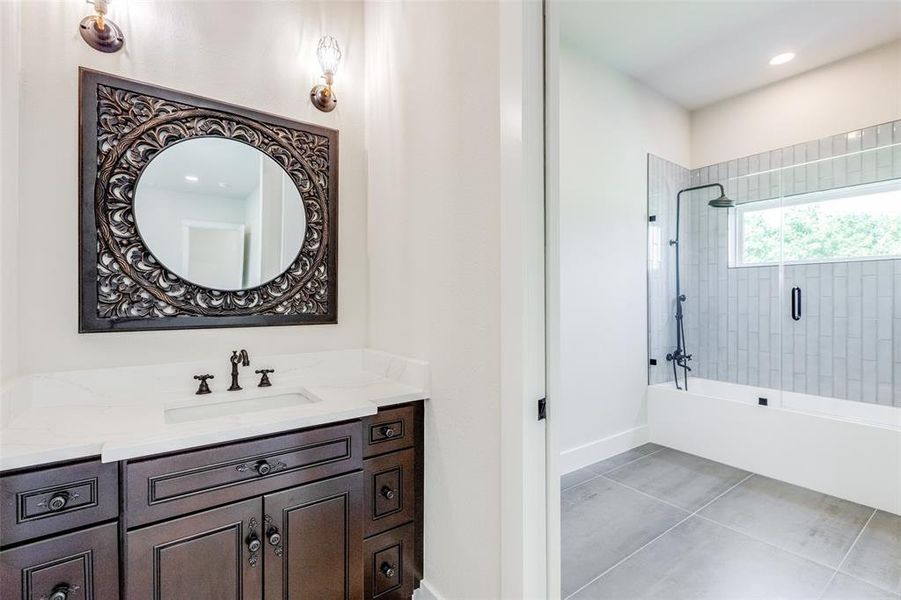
257	54
608	125
524	499
10	35
853	93
432	138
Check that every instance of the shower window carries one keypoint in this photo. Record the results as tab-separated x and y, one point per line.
851	223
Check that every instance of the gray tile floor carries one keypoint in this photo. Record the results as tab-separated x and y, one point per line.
654	522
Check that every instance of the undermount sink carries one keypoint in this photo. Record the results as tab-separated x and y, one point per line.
226	407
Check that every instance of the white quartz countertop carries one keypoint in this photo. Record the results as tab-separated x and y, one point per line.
131	412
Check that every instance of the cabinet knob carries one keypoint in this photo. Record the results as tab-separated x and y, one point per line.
263	467
388	570
387	492
253	543
58	501
60	592
274	537
388	431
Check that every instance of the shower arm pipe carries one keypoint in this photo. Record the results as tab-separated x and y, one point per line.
675	242
705	186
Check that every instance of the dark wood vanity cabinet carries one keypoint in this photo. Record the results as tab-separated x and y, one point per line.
332	512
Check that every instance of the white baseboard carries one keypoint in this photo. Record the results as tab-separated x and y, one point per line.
587	454
426	592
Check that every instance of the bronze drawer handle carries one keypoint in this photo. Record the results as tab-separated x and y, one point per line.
388	570
57	501
387	492
60	592
263	467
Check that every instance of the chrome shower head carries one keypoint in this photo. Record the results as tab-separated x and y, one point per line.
721	202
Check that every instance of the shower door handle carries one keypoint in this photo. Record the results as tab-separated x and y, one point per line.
796	303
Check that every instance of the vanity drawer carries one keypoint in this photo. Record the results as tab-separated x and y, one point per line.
77	566
47	501
388	431
389	565
390	491
167	486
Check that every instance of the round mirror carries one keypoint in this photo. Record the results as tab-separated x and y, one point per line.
219	213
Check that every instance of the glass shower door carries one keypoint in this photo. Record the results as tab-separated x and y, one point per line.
732	291
841	247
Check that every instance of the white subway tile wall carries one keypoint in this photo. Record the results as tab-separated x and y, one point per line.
738	320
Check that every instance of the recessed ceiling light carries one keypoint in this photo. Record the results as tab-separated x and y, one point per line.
191	178
781	59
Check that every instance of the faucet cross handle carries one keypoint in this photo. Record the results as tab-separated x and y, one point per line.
264	377
204	387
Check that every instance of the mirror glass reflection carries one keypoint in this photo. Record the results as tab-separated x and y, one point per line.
219	213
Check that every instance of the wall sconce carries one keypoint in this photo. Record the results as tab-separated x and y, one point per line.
329	55
99	32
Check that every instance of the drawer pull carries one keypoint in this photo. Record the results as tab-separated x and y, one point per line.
58	501
263	467
60	592
388	431
388	493
388	570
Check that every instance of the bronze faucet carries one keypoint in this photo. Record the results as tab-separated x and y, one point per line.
238	357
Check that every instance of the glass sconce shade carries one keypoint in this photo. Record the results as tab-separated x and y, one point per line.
329	54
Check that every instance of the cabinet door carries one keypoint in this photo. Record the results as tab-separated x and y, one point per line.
317	552
212	555
77	566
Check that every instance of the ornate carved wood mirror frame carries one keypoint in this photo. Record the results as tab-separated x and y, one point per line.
123	287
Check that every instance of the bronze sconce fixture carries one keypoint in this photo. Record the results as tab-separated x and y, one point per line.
99	32
329	54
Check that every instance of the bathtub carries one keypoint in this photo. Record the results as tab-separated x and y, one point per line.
847	449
